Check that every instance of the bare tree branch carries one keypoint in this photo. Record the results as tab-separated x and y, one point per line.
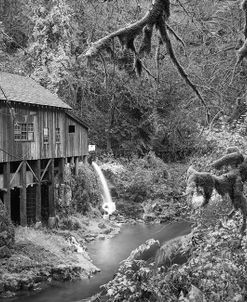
167	41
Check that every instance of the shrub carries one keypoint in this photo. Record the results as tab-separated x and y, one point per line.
85	190
140	176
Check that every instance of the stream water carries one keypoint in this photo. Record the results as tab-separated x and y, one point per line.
106	255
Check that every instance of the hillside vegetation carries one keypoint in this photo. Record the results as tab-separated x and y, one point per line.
157	111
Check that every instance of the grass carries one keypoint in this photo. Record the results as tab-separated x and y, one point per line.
51	242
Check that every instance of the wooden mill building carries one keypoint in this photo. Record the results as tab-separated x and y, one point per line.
38	136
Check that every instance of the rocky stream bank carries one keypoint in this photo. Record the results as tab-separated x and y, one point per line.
42	256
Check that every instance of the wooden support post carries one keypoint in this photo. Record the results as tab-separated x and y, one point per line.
37	171
61	170
85	159
23	195
45	170
16	173
51	189
7	196
76	165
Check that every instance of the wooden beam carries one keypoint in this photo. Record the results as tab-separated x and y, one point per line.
6	181
51	189
23	195
37	170
61	166
46	168
76	165
34	174
16	172
85	158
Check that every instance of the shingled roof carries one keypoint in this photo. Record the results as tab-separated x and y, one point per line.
25	90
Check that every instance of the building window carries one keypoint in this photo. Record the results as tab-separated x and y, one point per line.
58	136
71	128
46	135
23	132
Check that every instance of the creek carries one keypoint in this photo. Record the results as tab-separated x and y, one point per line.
106	255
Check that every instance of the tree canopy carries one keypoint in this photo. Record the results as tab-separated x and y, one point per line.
126	66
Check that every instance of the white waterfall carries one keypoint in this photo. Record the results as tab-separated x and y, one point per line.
108	205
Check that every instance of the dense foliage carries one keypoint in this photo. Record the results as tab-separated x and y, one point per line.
215	263
151	191
45	39
157	111
81	193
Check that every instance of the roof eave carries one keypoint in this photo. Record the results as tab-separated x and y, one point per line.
37	104
77	119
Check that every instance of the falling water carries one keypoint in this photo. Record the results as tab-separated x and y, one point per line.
108	205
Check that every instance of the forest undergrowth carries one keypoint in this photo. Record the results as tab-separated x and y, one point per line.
214	266
216	253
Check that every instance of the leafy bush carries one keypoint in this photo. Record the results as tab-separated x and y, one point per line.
146	185
71	223
140	177
217	266
131	281
85	190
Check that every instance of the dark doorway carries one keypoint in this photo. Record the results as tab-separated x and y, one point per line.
44	202
15	205
31	205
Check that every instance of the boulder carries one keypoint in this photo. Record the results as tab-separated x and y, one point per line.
12	283
5	252
101	237
174	251
107	231
1	286
149	217
102	225
144	251
194	295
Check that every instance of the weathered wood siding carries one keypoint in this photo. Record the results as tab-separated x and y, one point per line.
77	141
71	144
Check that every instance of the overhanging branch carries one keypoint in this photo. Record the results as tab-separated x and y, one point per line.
159	8
156	17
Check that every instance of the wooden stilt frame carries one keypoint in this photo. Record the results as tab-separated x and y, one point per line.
85	159
16	172
61	165
6	197
23	195
76	165
51	189
46	168
37	170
